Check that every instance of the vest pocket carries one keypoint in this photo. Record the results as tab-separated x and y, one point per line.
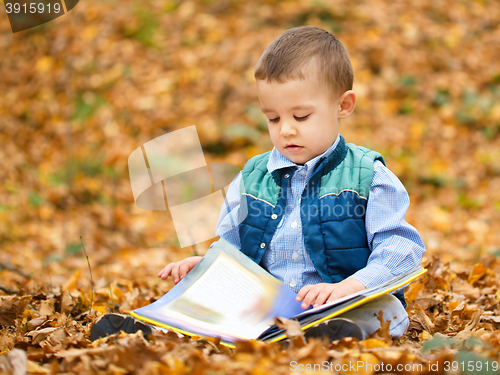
346	234
346	262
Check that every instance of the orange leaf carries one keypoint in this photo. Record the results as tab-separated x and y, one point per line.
72	281
477	272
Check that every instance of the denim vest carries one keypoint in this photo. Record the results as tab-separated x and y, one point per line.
333	208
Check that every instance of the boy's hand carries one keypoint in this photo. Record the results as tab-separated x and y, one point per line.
319	294
179	269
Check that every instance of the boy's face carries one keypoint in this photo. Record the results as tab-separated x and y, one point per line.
301	115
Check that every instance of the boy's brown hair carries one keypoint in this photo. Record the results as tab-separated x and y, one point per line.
285	57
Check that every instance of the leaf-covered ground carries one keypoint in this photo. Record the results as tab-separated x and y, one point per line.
79	94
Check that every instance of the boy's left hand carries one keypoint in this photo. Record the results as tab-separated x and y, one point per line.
321	293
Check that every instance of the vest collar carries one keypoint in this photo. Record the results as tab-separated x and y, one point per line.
326	162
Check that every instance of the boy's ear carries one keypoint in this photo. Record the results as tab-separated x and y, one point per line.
347	103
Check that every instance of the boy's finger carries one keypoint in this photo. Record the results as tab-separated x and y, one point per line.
160	274
302	292
334	295
166	271
322	297
183	270
311	296
175	272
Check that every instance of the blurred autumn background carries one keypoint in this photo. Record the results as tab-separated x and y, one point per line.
79	94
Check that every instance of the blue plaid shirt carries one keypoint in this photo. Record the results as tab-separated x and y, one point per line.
395	245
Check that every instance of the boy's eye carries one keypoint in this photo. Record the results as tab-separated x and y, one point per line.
274	119
301	118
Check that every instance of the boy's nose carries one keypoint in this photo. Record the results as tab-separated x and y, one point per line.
287	129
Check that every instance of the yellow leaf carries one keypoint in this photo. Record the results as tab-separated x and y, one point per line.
477	272
117	293
72	281
45	211
35	368
115	370
369	366
100	308
373	343
90	32
424	335
453	304
440	219
111	292
43	64
438	167
416	130
455	33
412	293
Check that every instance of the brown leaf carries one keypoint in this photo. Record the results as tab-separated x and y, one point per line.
467	331
36	322
385	325
11	307
14	362
293	331
35	368
67	302
47	308
292	327
490	319
429	326
430	301
462	287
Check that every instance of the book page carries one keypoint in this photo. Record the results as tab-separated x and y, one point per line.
226	294
227	299
225	291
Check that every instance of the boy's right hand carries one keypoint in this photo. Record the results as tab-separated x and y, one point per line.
179	269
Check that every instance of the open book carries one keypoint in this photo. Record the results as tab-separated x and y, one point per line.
227	295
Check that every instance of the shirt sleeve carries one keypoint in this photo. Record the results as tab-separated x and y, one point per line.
396	246
227	226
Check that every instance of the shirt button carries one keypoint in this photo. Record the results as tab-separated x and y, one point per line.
294	225
287	175
295	256
274	216
262	245
293	283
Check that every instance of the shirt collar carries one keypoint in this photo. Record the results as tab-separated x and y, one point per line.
278	161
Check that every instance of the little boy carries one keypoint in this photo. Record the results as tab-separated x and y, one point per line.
324	217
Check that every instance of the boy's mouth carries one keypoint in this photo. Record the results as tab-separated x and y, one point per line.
293	148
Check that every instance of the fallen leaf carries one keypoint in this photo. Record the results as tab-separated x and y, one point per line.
462	287
11	307
35	368
72	281
477	272
14	361
429	301
373	343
